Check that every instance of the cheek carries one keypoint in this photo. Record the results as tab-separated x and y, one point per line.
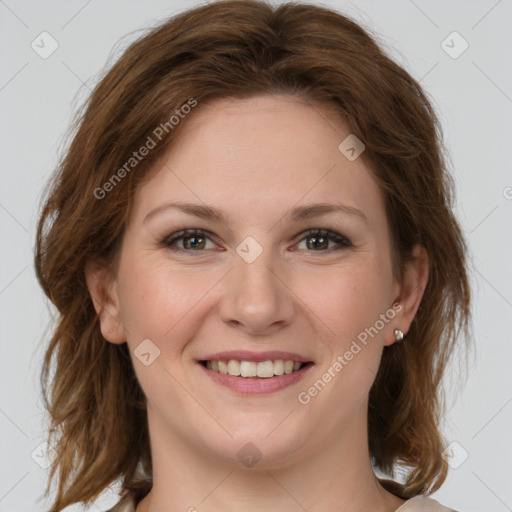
349	310
348	301
347	313
162	304
157	302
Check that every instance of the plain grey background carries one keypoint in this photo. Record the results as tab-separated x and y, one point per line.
472	91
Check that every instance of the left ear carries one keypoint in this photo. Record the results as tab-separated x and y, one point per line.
410	291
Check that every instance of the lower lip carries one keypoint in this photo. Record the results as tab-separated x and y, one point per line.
257	385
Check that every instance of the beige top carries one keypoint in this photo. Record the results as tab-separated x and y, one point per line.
416	504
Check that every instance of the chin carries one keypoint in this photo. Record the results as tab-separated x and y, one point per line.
256	446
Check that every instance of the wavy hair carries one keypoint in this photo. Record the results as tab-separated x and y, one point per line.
238	48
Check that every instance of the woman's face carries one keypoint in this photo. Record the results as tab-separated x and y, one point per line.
253	285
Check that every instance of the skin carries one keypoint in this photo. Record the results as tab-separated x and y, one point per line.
255	159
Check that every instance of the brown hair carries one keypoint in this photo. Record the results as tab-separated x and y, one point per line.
98	423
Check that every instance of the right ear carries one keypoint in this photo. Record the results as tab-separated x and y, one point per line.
103	290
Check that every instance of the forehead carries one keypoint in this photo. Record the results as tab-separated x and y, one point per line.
260	155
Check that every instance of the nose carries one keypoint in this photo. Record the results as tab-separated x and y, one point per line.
257	299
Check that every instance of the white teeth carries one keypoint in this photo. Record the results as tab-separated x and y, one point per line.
233	367
263	369
247	369
278	367
288	366
223	367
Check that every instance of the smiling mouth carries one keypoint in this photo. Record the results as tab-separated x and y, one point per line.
258	370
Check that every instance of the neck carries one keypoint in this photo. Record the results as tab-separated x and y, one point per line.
333	476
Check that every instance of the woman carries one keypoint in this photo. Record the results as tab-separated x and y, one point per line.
259	277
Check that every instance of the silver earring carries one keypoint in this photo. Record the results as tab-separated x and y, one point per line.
399	335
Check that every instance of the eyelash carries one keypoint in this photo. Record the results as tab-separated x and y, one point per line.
170	241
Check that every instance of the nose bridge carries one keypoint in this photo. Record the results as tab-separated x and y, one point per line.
256	298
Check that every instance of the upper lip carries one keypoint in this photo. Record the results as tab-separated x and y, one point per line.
247	355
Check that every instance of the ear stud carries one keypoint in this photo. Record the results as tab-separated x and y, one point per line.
399	335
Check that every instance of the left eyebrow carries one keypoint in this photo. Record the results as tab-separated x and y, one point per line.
316	210
300	213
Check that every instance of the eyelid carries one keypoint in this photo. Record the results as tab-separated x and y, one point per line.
171	239
341	240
